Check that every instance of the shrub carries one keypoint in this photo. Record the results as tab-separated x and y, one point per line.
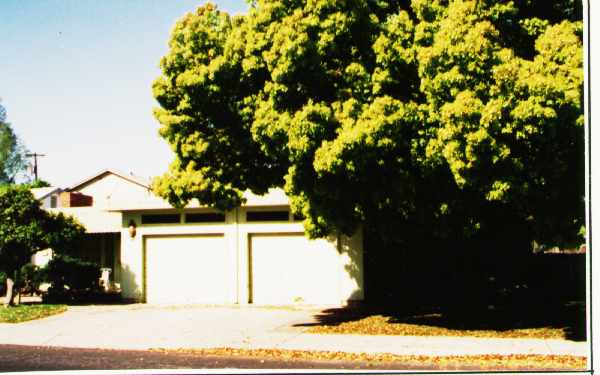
71	278
31	278
2	283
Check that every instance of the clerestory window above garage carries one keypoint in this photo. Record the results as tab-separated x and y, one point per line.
205	217
161	219
273	215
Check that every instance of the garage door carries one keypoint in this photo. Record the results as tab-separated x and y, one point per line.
189	270
288	269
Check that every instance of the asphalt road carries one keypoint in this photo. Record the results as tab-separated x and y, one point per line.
43	358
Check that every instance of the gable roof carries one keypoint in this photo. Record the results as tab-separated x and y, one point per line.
129	177
43	192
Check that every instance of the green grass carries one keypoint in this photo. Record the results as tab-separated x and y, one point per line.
23	313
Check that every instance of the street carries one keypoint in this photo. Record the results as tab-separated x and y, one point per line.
42	358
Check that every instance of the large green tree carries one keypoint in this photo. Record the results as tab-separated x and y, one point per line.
456	120
12	152
26	228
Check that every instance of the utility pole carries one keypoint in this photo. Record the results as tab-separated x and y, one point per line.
35	169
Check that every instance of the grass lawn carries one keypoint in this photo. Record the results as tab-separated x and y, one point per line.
470	362
381	325
23	313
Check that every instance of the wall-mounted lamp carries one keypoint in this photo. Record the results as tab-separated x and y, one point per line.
132	228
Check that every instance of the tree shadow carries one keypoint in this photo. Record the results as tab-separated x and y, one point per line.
568	316
499	295
97	296
471	289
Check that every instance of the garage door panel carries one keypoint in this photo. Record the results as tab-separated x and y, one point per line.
289	268
189	269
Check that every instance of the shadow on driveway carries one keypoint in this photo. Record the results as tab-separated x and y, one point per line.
568	316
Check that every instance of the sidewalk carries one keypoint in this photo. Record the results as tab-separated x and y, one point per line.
432	346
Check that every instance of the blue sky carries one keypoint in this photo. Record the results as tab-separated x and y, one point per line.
75	79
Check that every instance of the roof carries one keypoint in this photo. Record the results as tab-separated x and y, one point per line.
43	192
129	177
274	197
94	220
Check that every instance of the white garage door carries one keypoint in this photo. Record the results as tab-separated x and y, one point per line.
189	269
288	269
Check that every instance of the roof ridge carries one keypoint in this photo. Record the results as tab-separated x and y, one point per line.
130	177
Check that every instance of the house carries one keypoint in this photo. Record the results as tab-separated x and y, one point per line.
48	196
254	254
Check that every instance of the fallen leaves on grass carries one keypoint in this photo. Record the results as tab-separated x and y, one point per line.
22	313
485	362
380	325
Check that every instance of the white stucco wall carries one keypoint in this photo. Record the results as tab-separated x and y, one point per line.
111	190
45	195
346	267
108	191
132	249
93	219
149	201
41	258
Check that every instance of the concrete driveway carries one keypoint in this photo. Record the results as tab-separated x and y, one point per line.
143	326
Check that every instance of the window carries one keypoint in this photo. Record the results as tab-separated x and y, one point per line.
53	201
205	217
161	219
268	216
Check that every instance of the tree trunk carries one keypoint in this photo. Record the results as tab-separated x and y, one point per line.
18	285
8	301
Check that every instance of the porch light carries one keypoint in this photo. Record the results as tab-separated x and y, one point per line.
132	228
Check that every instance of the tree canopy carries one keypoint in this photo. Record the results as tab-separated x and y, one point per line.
39	183
452	119
26	228
12	152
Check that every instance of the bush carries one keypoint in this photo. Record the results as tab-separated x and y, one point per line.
2	283
31	278
72	279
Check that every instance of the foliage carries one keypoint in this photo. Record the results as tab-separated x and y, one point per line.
2	113
74	281
76	274
31	278
455	121
2	283
23	313
26	228
64	234
484	362
29	281
12	152
22	227
39	183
